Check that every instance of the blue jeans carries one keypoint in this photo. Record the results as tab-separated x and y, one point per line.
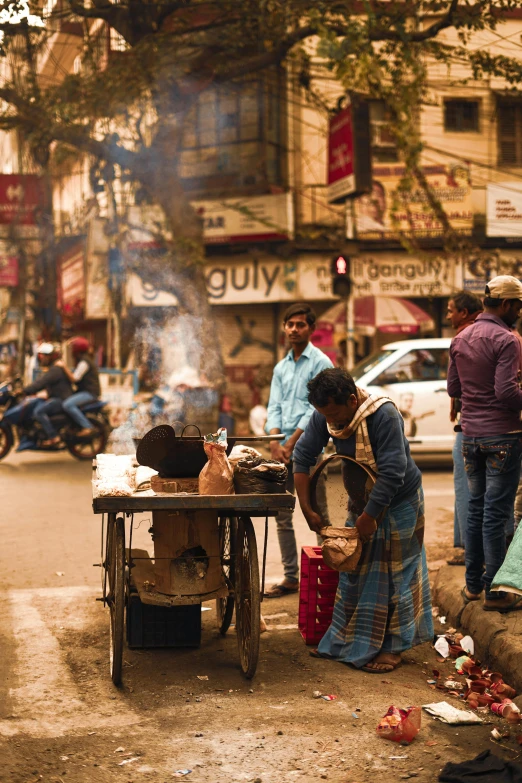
70	406
42	412
460	483
493	470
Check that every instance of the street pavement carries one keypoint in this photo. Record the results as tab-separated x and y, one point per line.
62	720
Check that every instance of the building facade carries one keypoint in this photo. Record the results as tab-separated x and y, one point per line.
254	161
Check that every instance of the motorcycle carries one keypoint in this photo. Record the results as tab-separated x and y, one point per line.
16	419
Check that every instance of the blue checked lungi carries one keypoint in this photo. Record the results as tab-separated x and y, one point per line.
385	605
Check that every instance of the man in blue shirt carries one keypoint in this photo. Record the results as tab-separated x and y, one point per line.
289	412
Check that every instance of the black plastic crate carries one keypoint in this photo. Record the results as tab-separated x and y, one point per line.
162	626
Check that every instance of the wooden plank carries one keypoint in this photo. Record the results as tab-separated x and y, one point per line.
253	505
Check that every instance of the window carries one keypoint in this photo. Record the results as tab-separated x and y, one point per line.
383	144
509	118
461	116
417	366
233	137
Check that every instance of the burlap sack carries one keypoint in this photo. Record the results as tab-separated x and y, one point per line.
341	548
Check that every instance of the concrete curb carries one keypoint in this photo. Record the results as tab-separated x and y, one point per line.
497	637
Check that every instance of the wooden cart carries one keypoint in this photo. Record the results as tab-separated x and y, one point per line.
204	548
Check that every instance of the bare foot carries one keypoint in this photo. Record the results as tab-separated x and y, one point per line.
382	663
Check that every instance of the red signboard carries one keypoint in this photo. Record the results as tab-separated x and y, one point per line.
341	173
71	281
8	271
349	152
21	199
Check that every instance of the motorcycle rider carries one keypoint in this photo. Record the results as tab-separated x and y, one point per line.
85	377
53	386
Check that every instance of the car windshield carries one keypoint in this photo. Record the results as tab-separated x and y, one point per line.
369	363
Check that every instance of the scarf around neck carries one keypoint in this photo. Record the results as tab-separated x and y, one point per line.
368	404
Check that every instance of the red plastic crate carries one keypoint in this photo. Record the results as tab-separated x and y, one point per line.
316	595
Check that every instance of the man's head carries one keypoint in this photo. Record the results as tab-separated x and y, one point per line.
333	394
461	306
47	354
299	324
504	298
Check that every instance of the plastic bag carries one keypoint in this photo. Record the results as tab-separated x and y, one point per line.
400	725
260	476
112	488
217	476
242	452
341	548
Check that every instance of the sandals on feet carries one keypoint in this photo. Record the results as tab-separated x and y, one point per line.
390	667
515	604
467	599
278	591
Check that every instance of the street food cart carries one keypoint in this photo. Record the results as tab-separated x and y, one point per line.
204	548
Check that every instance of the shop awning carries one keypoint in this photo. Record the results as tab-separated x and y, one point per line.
386	314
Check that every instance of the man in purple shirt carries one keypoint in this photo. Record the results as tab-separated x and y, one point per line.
485	361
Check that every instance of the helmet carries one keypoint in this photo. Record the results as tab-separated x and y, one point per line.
79	345
45	349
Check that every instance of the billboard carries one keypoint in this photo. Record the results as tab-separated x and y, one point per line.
504	209
385	213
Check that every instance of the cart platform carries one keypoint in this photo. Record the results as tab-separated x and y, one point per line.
252	505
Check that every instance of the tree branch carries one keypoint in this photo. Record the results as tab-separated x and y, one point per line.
266	59
380	34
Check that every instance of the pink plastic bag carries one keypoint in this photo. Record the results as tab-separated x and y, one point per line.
400	725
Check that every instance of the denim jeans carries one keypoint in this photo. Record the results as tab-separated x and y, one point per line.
493	470
285	526
460	483
70	406
42	412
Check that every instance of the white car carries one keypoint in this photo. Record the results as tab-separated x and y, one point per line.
413	374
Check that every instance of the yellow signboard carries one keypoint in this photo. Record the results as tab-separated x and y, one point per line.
385	213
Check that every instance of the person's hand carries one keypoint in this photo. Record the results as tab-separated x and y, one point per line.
366	525
42	395
277	452
59	363
314	520
288	450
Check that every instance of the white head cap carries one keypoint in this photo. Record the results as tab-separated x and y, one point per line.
504	287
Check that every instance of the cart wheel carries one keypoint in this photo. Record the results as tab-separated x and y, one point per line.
247	595
227	548
116	595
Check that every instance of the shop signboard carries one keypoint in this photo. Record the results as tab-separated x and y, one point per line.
97	299
266	218
386	213
258	280
504	209
349	167
478	269
71	281
21	198
8	271
402	275
141	293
